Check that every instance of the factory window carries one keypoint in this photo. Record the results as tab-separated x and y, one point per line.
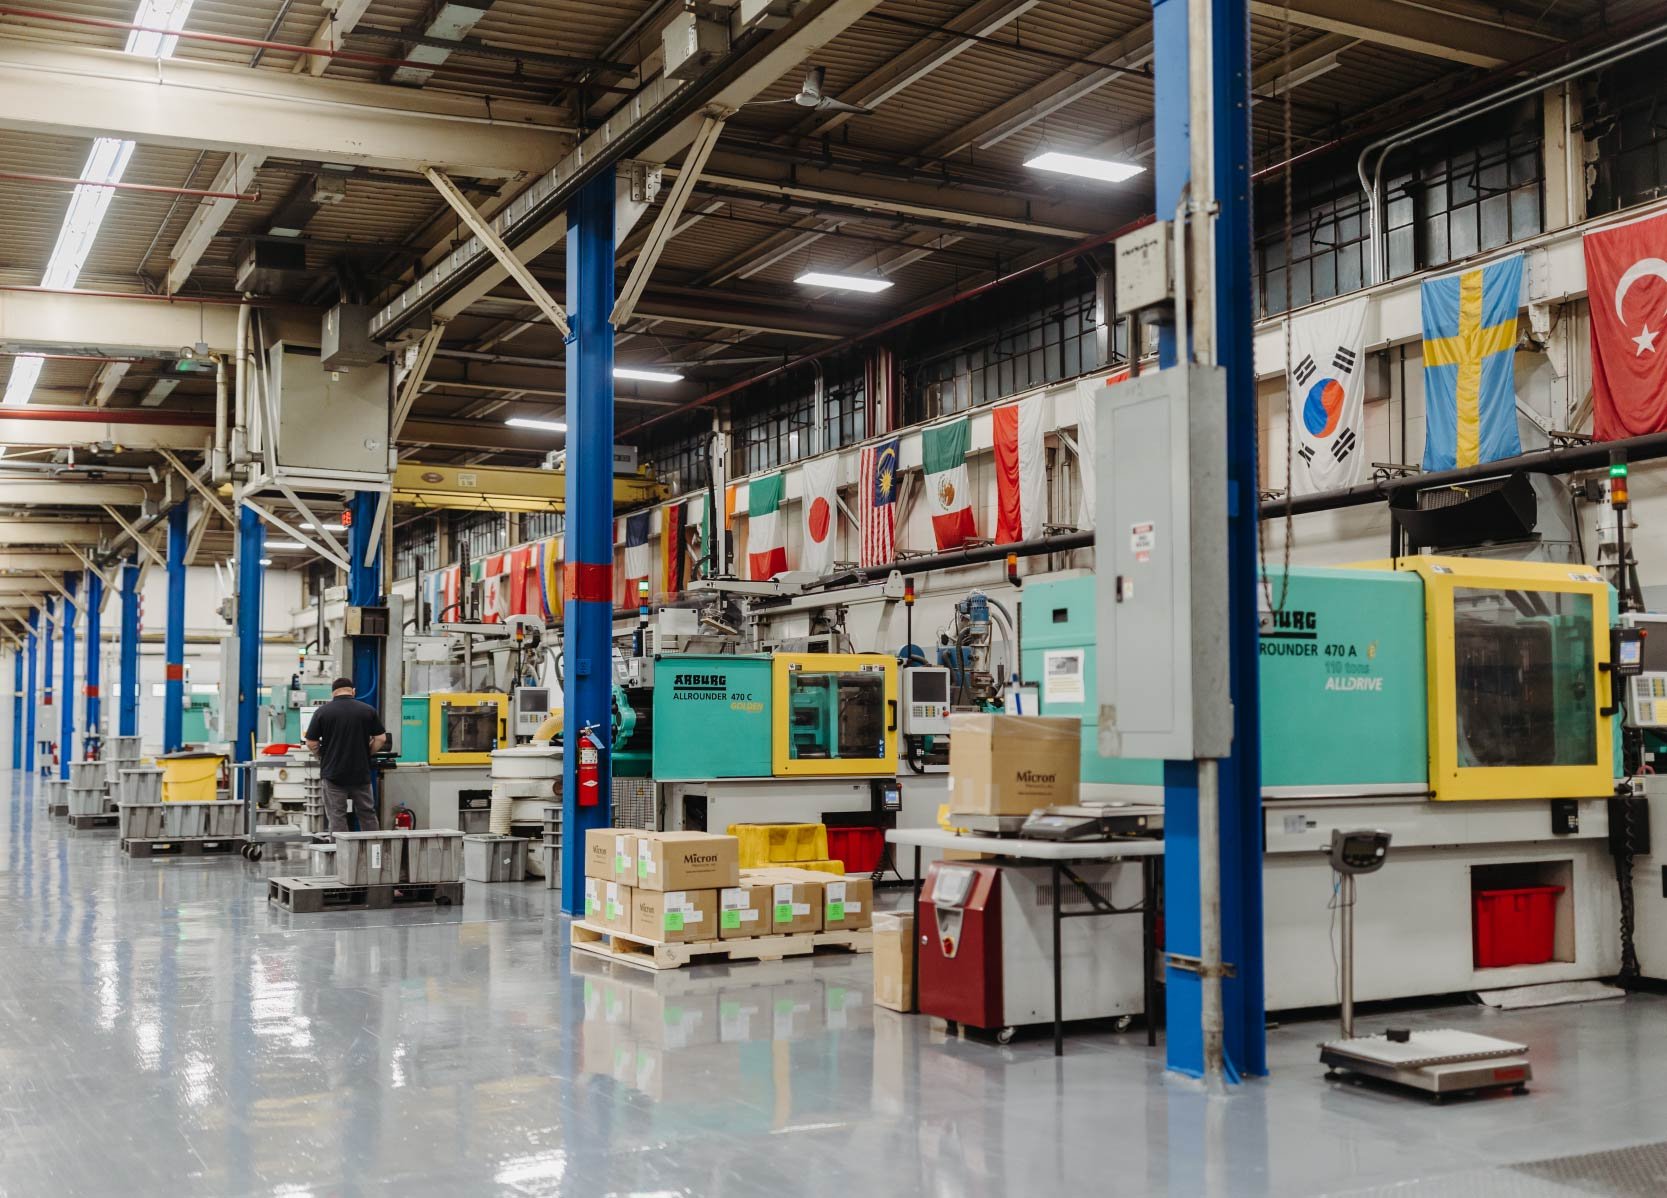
680	459
844	401
1038	330
1625	113
480	533
1474	189
535	526
416	547
777	430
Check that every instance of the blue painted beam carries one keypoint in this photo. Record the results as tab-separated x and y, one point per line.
127	685
173	635
66	708
588	570
18	654
95	655
1240	774
49	640
364	589
31	690
251	547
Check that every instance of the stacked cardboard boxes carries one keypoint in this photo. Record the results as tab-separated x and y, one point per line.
660	886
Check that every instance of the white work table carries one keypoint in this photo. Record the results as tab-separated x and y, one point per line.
1059	854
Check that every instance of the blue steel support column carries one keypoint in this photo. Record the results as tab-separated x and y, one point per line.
95	653
588	609
173	637
49	641
364	589
17	707
1239	775
31	690
66	709
251	547
127	684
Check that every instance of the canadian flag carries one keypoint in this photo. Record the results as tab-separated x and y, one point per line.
1021	474
1626	290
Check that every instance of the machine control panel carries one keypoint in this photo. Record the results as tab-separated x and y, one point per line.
1646	671
532	708
925	701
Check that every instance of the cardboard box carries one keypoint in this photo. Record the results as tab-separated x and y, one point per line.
847	904
744	910
611	853
686	861
608	905
674	916
1012	764
894	954
795	903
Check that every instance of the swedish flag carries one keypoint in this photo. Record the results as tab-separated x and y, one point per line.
1470	335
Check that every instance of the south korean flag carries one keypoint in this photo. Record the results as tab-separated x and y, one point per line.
1327	385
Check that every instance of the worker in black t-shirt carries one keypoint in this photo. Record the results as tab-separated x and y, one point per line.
344	733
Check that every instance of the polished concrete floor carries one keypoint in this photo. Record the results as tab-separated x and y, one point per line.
163	1031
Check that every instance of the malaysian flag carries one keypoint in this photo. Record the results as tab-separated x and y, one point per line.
879	503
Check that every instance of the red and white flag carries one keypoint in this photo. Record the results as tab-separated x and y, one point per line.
1626	290
877	504
820	513
1021	474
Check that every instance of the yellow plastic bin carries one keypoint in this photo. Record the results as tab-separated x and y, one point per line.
190	777
780	844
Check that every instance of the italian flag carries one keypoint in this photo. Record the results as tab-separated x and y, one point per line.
948	492
766	550
1021	476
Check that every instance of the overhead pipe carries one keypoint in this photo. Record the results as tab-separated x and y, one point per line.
149	416
1373	186
241	197
219	459
238	439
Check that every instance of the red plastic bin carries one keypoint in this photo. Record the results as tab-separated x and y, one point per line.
1514	927
859	848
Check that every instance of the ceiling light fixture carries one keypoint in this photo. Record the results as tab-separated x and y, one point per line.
285	545
647	376
1105	169
554	426
323	527
266	561
863	283
88	203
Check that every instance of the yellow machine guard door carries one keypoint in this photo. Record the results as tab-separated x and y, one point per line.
834	715
465	710
1518	679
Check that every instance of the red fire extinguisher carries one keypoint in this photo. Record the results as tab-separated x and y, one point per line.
588	774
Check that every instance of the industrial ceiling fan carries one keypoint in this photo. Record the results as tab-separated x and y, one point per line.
812	96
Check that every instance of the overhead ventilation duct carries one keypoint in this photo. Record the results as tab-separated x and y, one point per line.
1470	513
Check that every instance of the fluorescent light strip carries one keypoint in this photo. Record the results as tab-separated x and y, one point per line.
647	376
1084	167
285	545
554	426
107	163
326	528
817	278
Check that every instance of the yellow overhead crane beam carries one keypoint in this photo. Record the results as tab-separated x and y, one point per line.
505	488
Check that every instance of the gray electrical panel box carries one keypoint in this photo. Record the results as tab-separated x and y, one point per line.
330	423
1161	564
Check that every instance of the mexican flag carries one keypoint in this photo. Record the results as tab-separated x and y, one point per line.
1021	476
943	452
766	548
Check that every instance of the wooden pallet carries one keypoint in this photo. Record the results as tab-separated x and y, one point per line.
185	846
306	896
107	819
57	810
643	953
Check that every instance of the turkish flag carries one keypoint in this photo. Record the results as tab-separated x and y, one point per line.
1626	290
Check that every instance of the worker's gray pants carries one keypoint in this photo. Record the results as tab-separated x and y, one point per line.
336	800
